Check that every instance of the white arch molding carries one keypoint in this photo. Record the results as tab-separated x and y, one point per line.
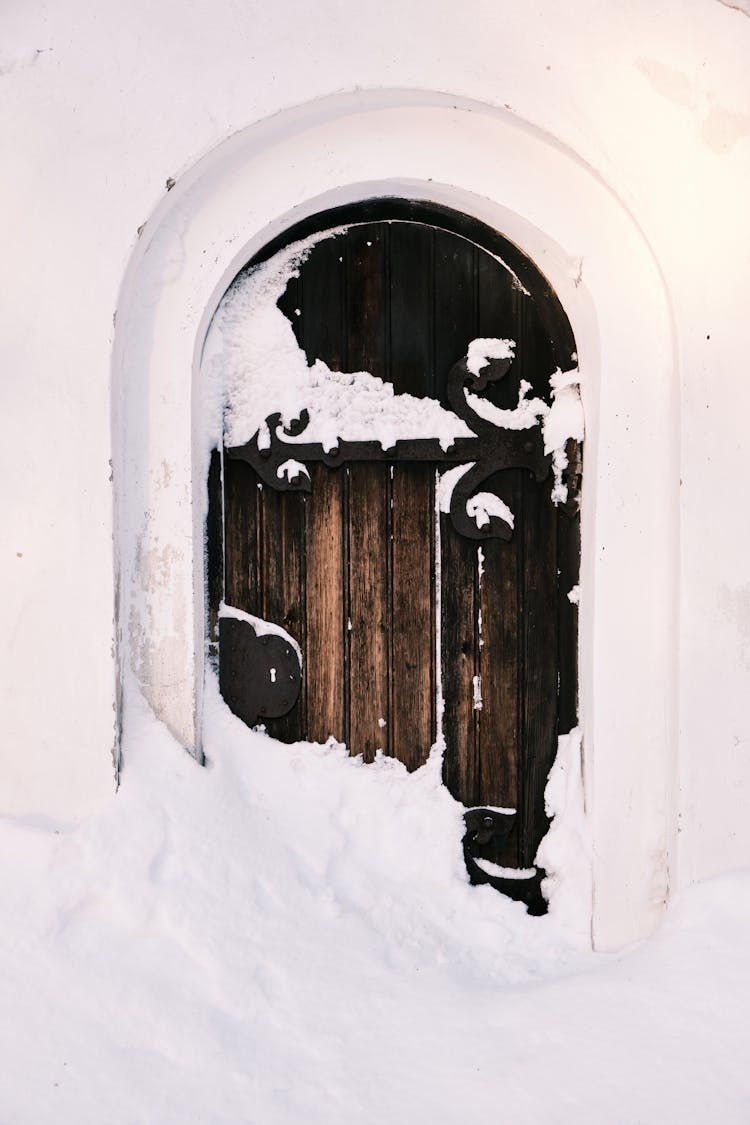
485	163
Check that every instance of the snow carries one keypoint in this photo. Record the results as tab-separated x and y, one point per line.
447	482
288	935
563	421
486	504
253	367
481	351
292	470
261	627
522	417
565	852
479	507
560	421
504	872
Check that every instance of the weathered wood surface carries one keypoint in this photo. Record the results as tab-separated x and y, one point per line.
369	588
412	658
326	651
458	631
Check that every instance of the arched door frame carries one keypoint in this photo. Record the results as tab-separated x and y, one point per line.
489	165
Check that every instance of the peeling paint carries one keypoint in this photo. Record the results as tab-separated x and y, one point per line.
720	128
672	84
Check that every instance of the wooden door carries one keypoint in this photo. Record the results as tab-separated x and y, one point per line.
400	610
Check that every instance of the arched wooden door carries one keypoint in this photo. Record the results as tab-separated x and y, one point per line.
418	610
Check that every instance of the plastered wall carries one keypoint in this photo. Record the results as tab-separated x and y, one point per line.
102	106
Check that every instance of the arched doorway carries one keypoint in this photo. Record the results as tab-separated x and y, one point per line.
393	548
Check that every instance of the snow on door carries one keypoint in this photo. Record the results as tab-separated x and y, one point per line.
394	522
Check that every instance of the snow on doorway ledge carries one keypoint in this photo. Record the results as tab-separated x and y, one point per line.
444	150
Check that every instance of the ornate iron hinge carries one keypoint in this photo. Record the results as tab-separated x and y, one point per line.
280	463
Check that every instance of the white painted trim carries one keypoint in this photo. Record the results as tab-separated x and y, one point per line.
488	164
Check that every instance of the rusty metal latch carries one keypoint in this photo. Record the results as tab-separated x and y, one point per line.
487	830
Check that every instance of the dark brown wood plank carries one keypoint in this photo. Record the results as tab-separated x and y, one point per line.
412	718
459	663
536	352
539	668
242	580
369	640
325	654
568	561
496	318
455	303
321	326
283	559
411	308
366	328
499	653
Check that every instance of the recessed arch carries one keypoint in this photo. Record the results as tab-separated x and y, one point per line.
415	622
486	164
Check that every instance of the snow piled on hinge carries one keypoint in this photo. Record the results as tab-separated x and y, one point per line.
565	851
257	369
485	505
479	507
447	482
560	421
483	349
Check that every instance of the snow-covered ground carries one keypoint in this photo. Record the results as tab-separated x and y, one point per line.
288	936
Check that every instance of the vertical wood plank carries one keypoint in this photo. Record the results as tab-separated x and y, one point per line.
499	654
411	308
412	690
454	304
324	600
214	549
369	639
496	305
283	555
366	328
321	327
459	663
540	667
367	348
568	561
242	581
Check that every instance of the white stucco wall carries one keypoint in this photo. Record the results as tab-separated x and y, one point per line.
101	105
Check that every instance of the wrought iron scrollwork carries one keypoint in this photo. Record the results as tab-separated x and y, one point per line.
281	463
